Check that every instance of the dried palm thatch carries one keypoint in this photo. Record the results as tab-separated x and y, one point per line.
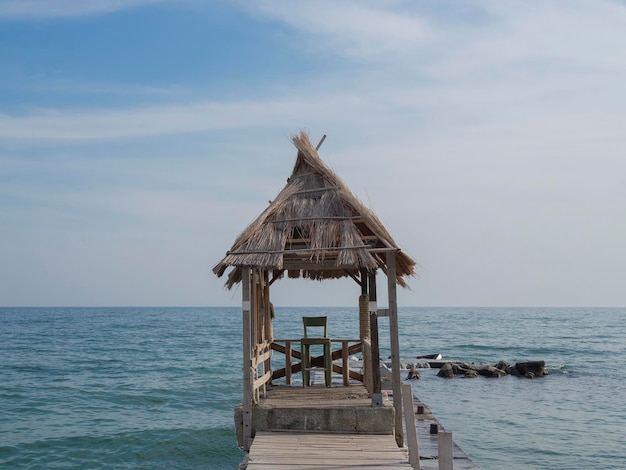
315	228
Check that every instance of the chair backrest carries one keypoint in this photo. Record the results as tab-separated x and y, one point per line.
314	322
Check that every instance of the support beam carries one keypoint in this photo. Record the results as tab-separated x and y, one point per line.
363	282
354	278
445	450
288	363
376	385
269	327
377	397
254	323
409	421
247	359
364	334
276	274
394	334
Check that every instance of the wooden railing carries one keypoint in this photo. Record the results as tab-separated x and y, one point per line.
261	369
284	346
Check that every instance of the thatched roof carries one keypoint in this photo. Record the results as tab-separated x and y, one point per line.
315	228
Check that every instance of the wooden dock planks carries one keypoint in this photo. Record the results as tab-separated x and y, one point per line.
305	450
315	450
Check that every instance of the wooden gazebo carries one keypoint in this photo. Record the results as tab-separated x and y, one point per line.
317	229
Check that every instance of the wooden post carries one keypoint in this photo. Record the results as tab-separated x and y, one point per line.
247	359
376	385
364	328
446	451
345	363
321	142
377	397
288	363
395	345
363	281
409	422
268	325
254	324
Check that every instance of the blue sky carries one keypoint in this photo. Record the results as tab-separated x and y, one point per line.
138	138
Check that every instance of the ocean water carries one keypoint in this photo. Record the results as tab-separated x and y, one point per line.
155	387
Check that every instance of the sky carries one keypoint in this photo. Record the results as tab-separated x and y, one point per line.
138	138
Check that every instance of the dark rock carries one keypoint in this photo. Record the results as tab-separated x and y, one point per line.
446	371
491	371
505	366
413	373
452	369
460	368
536	368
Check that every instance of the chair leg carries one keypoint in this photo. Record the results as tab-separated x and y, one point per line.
328	365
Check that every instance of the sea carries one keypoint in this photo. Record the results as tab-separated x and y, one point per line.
155	388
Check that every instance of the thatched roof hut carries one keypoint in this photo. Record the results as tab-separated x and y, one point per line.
315	228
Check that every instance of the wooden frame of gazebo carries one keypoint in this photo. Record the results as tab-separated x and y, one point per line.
317	229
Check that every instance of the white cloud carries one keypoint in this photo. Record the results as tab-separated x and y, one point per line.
509	38
364	30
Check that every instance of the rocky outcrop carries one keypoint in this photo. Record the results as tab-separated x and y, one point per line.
529	369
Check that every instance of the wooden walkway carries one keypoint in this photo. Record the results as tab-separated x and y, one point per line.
303	447
307	450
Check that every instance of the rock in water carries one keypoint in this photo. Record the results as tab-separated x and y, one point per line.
506	367
491	371
531	369
446	371
413	373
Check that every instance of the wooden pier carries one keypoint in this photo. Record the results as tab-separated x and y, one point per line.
318	427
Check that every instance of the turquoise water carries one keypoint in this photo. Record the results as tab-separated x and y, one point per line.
155	387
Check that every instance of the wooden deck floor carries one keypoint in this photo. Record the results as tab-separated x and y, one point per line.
306	450
317	396
315	450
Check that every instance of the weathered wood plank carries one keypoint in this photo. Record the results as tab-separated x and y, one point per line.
247	360
394	334
314	451
411	431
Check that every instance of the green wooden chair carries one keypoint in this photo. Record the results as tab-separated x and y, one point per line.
316	324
